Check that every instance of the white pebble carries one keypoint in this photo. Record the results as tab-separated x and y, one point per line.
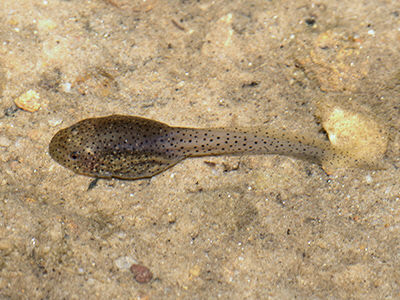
368	179
54	121
121	235
4	141
66	87
124	262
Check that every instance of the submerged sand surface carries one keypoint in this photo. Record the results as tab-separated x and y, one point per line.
218	227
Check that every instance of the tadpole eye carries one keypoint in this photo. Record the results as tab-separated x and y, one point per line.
74	155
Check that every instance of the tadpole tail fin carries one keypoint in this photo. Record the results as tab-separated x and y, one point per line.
334	159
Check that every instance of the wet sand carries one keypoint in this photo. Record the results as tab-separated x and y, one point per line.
256	227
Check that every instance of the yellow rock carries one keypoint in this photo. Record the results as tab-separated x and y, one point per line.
195	271
46	25
357	138
28	101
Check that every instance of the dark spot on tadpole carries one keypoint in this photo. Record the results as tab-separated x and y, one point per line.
74	155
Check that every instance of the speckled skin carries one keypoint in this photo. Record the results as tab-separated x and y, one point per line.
130	147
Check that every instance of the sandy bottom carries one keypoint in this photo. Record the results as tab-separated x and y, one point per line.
217	227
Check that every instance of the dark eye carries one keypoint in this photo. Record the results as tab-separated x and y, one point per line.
74	155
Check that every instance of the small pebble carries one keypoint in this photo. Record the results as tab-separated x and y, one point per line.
195	271
121	234
54	121
124	262
56	232
28	101
46	25
10	111
6	244
66	87
4	141
141	273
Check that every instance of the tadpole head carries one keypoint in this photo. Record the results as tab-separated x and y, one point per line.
70	147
